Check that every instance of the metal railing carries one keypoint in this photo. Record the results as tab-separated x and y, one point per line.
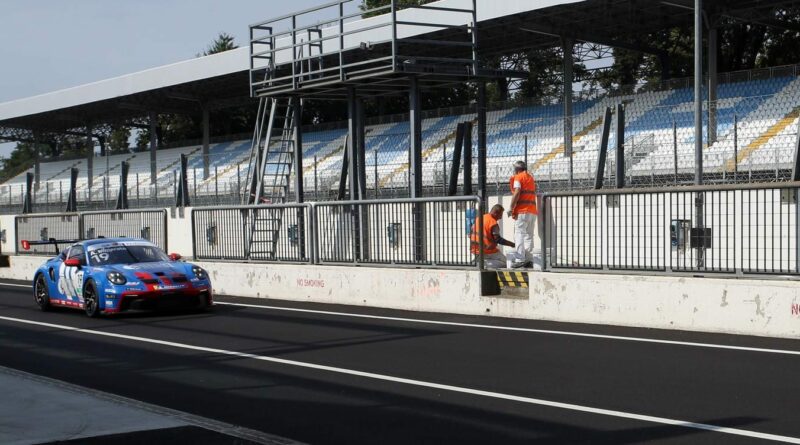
431	232
43	227
412	232
738	229
148	224
272	233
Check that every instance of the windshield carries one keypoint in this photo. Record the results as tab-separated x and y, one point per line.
126	254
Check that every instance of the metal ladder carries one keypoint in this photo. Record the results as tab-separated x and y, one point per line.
270	167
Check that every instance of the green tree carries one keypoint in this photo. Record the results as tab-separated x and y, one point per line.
118	140
223	42
24	155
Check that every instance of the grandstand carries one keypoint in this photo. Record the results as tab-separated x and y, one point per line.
764	111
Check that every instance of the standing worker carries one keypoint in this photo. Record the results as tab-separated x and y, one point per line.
523	211
493	258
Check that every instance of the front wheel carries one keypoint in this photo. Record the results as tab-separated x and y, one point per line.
41	294
91	304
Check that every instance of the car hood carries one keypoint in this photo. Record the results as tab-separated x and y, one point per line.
166	267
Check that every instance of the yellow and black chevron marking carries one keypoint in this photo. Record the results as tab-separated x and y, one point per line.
512	279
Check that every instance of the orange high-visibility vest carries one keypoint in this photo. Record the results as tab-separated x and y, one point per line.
489	245
527	197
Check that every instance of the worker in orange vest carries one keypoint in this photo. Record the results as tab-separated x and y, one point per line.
523	211
493	257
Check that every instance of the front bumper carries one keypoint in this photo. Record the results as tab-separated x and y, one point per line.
160	299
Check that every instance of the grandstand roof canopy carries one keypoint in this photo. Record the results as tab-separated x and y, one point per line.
221	80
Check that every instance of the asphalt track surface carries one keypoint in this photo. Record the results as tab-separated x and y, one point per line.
337	374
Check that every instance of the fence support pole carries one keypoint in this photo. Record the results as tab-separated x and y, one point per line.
72	201
455	166
675	149
122	197
482	141
796	163
620	154
599	175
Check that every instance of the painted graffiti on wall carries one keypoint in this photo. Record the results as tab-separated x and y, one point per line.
796	310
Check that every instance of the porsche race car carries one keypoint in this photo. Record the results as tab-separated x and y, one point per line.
112	275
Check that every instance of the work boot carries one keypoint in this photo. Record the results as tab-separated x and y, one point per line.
521	265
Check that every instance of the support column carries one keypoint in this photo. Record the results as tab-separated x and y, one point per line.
297	157
566	47
482	141
206	138
361	150
698	123
698	92
415	138
712	84
352	142
89	158
153	146
620	152
415	149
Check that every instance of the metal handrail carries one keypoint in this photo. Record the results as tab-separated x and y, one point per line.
686	188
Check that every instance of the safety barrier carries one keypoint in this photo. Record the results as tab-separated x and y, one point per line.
420	232
147	224
254	233
748	229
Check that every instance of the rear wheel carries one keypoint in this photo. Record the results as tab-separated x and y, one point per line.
91	304
41	294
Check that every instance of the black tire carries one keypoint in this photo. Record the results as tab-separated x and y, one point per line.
41	294
202	303
91	302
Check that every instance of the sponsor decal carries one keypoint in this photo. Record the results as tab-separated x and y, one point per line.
165	287
109	302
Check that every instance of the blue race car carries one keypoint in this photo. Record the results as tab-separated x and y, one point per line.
112	275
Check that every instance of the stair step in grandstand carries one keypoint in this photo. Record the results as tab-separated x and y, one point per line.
762	140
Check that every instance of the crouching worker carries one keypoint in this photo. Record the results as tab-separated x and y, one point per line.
493	258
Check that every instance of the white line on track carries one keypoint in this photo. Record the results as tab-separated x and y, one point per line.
421	383
517	329
503	328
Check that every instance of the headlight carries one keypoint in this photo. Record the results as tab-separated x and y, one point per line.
116	278
199	273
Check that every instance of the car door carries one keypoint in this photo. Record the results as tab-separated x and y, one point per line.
70	279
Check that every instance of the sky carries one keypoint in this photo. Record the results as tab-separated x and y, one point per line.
54	44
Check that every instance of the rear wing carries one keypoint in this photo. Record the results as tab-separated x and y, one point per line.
26	245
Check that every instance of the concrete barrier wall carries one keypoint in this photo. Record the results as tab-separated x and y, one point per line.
735	306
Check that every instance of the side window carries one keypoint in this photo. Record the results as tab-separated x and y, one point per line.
77	252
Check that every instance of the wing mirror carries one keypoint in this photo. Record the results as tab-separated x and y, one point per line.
175	256
72	262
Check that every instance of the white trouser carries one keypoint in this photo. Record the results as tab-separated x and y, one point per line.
524	226
495	260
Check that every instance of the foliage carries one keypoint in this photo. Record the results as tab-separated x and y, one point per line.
223	42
